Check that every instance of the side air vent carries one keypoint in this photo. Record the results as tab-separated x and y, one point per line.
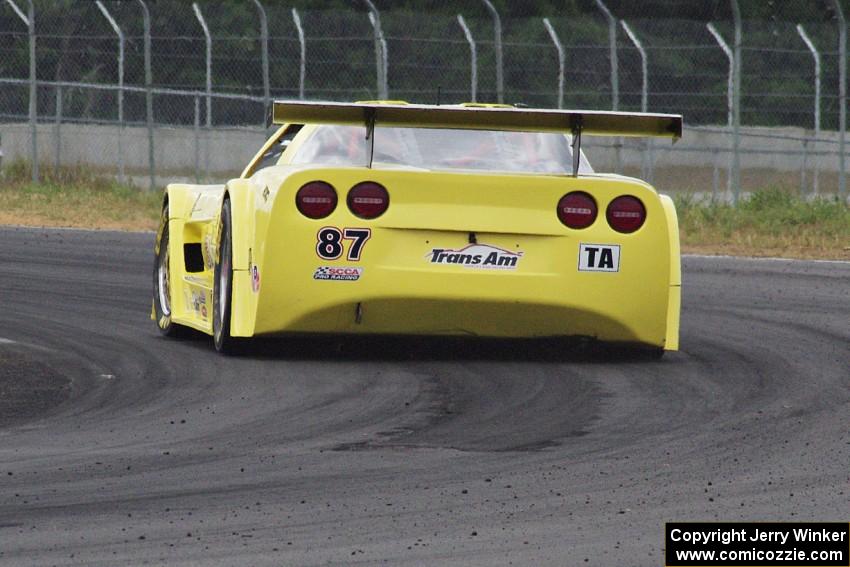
193	257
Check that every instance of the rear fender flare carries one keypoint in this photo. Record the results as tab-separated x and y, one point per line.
674	293
244	306
179	199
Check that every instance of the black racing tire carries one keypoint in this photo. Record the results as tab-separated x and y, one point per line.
223	286
162	281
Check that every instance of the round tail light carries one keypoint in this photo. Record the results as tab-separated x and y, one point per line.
577	210
316	200
626	214
368	200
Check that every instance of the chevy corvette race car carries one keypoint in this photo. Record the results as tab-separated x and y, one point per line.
391	218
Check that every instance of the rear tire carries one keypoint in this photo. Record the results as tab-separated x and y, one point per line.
223	286
162	281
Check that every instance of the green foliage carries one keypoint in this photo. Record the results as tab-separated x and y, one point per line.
18	174
74	196
769	211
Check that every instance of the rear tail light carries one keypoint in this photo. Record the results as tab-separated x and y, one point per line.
577	210
368	200
316	200
626	214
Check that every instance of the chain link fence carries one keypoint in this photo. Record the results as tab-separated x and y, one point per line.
215	66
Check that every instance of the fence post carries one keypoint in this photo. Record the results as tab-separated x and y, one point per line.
29	20
473	56
644	93
842	97
33	90
264	48
380	50
730	80
208	128
386	61
560	48
816	56
57	150
120	35
197	124
736	164
615	76
385	64
302	41
715	178
497	41
730	88
148	92
612	43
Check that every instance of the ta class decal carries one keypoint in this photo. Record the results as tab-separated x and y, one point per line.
478	256
599	257
338	273
332	242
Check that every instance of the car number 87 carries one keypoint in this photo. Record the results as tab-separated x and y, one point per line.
330	245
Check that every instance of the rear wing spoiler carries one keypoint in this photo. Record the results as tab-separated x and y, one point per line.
575	122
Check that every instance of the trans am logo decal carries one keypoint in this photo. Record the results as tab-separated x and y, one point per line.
479	256
336	273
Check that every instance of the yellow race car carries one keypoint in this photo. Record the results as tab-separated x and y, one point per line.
394	218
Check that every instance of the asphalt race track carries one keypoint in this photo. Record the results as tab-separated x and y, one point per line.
118	446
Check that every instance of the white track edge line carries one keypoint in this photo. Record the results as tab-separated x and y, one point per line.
763	259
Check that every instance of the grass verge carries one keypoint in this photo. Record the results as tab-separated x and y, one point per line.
74	197
769	223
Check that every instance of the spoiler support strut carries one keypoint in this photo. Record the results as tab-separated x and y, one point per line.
369	115
575	127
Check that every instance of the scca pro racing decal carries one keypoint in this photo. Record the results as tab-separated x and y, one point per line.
330	242
338	273
481	256
599	258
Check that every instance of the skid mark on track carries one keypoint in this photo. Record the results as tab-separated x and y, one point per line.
481	407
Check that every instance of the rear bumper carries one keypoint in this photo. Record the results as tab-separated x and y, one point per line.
607	307
418	316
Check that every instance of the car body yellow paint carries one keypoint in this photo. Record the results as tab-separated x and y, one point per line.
399	288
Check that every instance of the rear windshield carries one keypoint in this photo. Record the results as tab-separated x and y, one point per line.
442	149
